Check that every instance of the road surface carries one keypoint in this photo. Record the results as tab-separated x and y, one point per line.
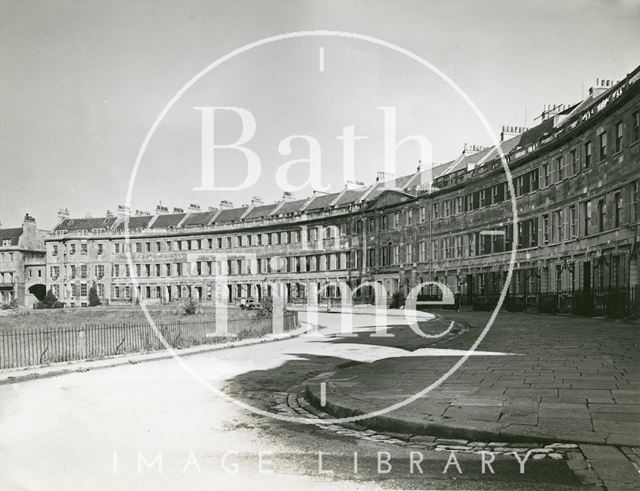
154	426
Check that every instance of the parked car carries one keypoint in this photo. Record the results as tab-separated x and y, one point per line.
249	303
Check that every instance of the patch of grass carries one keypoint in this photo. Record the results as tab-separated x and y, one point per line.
78	317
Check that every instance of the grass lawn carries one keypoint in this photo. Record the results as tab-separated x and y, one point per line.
83	316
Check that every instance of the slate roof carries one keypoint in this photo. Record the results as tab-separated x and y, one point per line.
199	219
261	211
136	223
230	215
350	196
89	224
321	201
10	233
170	220
291	207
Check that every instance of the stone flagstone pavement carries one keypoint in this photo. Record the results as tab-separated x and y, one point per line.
570	379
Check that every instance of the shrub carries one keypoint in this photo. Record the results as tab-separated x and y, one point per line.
397	300
11	305
189	307
94	299
266	307
50	301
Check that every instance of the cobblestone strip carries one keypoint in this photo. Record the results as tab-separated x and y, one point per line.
294	404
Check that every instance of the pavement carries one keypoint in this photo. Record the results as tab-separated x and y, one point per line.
568	379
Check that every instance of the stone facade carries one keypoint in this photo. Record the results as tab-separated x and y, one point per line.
576	190
22	264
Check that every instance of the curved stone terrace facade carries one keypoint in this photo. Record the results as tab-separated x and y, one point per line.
576	178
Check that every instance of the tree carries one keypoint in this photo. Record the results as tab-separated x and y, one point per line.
94	299
50	299
397	300
189	307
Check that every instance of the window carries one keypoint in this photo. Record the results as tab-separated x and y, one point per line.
447	209
100	249
54	250
396	220
408	251
101	290
602	139
371	257
635	126
546	176
83	271
619	132
83	289
147	246
83	249
371	224
560	166
618	204
483	197
546	228
116	247
636	199
573	161
458	245
396	254
138	246
602	213
99	271
559	225
573	222
409	216
72	249
587	154
436	210
587	217
55	272
72	272
468	205
422	251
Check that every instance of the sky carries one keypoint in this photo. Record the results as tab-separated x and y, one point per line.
81	83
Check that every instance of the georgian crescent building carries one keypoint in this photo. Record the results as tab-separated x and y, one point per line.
576	184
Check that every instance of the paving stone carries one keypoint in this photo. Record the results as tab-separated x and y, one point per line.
451	441
561	445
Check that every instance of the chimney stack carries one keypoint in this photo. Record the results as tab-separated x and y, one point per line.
63	214
256	200
511	131
160	209
288	196
123	211
194	207
353	184
178	210
226	204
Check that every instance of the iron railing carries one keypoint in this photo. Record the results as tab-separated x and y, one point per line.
38	346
